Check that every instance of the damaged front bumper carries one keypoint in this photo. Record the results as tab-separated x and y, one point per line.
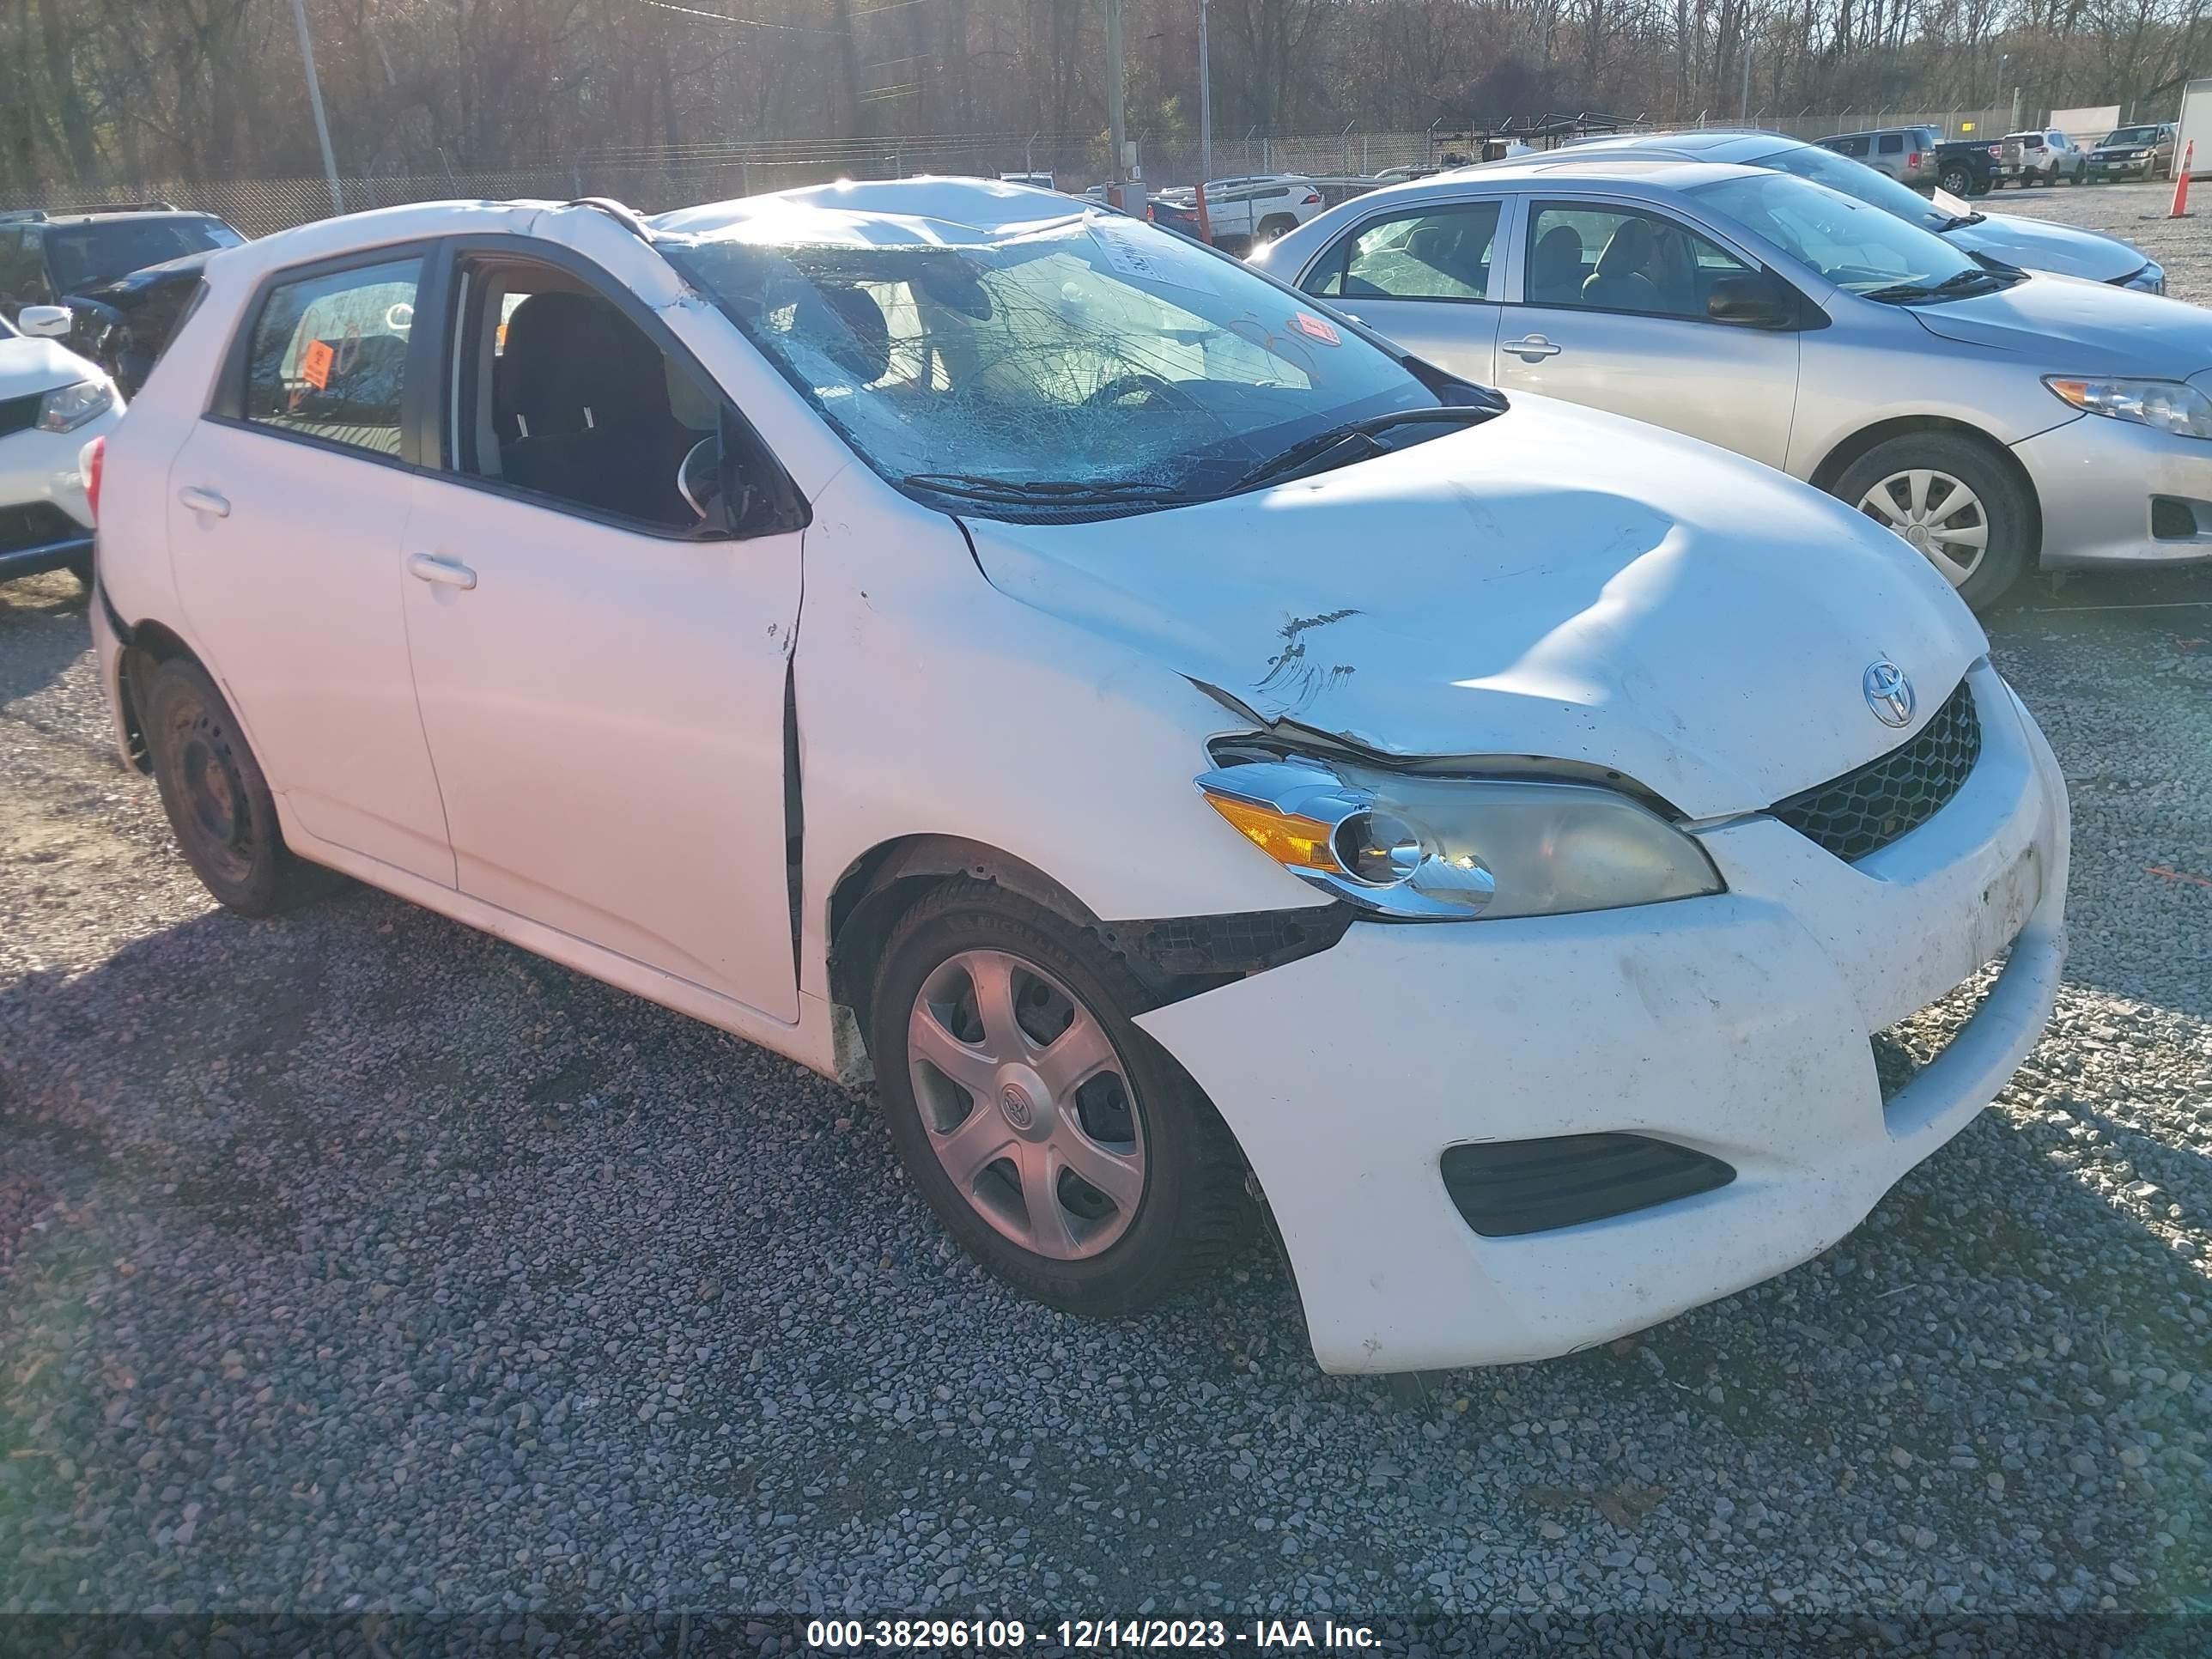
1737	1027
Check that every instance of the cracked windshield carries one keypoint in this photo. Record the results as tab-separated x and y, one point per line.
1080	357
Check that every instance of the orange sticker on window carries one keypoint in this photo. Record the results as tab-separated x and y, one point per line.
315	366
1313	328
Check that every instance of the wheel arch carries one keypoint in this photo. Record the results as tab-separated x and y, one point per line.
880	885
1841	459
151	644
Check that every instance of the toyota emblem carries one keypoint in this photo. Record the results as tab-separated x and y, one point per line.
1888	692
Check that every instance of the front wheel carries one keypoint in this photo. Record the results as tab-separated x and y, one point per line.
1953	502
216	800
1062	1148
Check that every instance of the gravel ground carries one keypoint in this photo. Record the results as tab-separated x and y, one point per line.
354	1262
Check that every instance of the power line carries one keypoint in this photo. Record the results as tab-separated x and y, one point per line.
762	23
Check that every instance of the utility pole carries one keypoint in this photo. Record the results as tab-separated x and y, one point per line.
315	102
1204	102
1743	115
1116	91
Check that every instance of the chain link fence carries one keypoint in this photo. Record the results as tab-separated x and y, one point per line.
655	179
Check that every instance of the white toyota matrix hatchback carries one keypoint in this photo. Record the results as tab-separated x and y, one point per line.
1195	758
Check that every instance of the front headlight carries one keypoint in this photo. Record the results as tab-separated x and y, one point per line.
67	408
2167	405
1452	849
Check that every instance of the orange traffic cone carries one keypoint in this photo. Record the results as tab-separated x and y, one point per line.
2180	208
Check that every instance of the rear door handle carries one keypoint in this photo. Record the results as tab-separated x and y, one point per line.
1531	349
447	572
201	500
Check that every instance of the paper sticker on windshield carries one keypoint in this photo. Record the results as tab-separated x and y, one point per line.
1951	204
315	366
1149	263
1313	328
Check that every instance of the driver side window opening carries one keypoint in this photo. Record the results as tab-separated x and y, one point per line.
560	395
1604	258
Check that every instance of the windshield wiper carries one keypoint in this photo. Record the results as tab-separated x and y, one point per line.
1950	287
1049	492
1307	453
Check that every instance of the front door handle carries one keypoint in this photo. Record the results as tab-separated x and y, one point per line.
201	500
1532	348
447	572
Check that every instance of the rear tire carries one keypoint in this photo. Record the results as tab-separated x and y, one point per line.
1958	181
1994	503
1270	229
216	800
1127	1115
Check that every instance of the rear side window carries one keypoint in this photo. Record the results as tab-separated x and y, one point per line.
1892	143
1443	253
329	356
1852	146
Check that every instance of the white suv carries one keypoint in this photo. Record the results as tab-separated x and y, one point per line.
1186	749
52	402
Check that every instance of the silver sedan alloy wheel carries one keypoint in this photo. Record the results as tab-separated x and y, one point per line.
1026	1104
1937	514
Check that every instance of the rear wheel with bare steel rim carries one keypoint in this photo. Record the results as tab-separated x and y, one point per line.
1061	1147
1953	502
216	797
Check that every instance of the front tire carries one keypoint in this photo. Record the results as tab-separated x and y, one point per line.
216	800
1063	1150
1953	502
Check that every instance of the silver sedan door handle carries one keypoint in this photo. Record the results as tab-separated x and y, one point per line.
201	500
447	572
1530	349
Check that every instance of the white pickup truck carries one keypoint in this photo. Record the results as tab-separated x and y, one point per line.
1246	212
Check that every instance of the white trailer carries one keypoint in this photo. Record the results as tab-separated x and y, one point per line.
2195	124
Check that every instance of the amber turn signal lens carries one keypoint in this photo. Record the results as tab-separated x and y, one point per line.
1284	837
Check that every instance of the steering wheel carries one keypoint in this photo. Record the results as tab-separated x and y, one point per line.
1128	385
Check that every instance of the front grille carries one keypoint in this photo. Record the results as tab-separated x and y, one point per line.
34	525
1864	810
1505	1189
17	414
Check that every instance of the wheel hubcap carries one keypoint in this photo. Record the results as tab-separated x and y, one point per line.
1936	515
1026	1104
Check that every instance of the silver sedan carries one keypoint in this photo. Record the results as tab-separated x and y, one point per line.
1993	417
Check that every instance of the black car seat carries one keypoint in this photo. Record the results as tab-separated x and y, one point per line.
1619	284
588	416
1555	273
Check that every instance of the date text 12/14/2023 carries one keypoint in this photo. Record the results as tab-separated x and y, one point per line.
1085	1635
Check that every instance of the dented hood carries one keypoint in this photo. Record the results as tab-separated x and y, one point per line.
1556	582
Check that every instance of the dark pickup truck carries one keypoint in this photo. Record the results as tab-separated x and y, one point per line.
1968	166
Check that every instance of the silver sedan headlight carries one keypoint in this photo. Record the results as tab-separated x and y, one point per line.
2167	405
1453	849
69	407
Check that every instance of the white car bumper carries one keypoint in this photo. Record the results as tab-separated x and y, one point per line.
2115	493
1738	1025
44	521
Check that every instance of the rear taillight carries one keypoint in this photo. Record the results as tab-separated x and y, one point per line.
1996	150
1312	197
1912	158
92	463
